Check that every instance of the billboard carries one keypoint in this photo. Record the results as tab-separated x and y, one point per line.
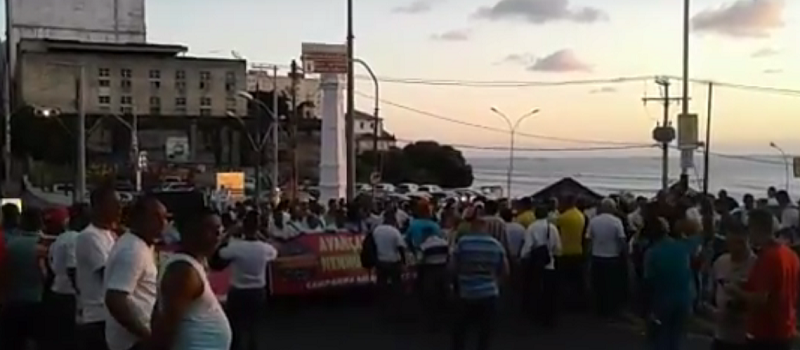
176	149
324	58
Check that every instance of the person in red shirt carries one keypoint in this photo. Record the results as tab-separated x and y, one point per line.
770	292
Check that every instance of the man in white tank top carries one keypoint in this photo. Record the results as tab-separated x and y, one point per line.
189	315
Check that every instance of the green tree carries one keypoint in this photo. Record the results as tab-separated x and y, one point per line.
422	162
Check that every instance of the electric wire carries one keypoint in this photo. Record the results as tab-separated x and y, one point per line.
538	149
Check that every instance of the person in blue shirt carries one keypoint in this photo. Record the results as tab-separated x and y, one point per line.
20	316
421	226
479	262
669	278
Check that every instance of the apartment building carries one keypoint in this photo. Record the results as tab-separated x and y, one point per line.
171	95
307	88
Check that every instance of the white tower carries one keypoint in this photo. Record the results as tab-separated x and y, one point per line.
332	170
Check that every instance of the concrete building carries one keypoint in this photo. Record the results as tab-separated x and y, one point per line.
364	132
308	89
104	21
171	95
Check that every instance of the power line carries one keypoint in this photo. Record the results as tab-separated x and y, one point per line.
540	83
537	149
489	128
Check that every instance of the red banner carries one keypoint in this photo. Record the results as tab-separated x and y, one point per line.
321	261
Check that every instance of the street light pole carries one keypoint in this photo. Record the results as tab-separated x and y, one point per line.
512	128
351	99
785	163
685	96
376	125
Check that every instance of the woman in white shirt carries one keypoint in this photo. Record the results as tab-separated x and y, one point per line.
541	282
248	258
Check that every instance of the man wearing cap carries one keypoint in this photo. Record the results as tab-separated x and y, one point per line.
60	303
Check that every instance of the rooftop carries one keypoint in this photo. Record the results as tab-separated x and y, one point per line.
83	46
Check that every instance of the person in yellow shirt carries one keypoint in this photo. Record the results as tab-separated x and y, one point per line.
571	264
526	216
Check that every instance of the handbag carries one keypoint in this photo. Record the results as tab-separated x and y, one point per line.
540	255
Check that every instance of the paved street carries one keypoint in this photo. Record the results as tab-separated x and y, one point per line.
356	327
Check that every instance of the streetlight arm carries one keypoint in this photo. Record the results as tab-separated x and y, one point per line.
526	116
505	117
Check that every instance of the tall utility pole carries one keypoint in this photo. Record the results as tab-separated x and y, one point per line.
349	121
685	97
664	133
275	125
7	85
259	150
80	187
295	76
707	143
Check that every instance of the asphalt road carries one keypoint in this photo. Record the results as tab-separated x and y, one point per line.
356	326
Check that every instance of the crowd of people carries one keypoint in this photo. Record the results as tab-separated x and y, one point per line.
92	275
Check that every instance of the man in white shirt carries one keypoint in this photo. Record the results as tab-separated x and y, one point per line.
790	216
541	284
248	262
61	304
92	247
390	247
131	277
606	234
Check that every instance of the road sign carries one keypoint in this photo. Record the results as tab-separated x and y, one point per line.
324	58
375	178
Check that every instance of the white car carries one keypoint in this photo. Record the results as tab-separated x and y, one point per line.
407	188
430	188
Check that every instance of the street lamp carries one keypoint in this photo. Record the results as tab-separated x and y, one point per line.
512	128
140	161
785	163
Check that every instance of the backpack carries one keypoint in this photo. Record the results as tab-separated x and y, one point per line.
369	252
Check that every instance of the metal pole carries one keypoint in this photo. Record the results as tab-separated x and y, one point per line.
349	118
135	150
510	163
258	149
665	145
275	124
80	187
293	130
707	148
7	82
376	125
686	28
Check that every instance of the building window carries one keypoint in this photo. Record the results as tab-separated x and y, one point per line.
104	100
126	73
155	85
125	110
126	100
205	112
155	74
180	86
125	84
104	83
230	103
205	101
230	81
205	80
180	75
180	101
104	72
180	110
155	101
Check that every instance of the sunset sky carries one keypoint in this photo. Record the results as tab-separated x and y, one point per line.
752	42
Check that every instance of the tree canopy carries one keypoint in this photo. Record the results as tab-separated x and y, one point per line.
422	162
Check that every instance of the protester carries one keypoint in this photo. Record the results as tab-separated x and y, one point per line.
92	247
433	278
540	249
61	302
21	313
247	297
729	312
130	278
606	234
189	316
571	225
479	262
770	291
668	275
391	250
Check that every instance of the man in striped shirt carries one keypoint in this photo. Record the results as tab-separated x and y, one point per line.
479	261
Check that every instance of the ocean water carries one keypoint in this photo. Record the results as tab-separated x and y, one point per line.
638	175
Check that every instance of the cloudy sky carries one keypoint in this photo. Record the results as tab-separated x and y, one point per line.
742	42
